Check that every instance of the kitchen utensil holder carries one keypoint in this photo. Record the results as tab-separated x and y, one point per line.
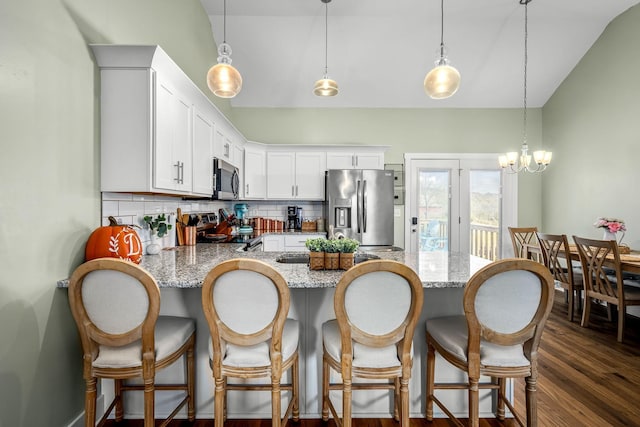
190	235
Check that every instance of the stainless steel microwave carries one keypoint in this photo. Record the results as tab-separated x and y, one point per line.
226	181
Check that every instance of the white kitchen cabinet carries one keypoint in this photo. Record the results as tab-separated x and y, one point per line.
203	131
296	242
293	242
355	160
159	131
255	173
295	175
172	151
273	243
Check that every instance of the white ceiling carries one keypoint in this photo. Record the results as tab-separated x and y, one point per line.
380	51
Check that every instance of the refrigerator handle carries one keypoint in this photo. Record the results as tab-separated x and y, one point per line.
364	206
358	206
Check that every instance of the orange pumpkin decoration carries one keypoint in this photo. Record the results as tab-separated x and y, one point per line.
114	241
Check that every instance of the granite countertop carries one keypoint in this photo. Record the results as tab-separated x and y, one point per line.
186	266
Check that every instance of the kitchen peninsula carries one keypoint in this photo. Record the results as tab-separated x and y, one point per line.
180	271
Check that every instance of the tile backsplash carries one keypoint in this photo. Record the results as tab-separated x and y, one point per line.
130	208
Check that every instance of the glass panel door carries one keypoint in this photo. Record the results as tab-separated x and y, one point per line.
481	190
458	205
434	205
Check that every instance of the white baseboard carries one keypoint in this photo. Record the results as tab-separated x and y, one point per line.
79	420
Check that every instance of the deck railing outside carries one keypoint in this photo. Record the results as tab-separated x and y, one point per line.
484	241
484	238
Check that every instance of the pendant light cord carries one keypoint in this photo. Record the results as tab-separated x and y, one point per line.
326	37
441	29
224	23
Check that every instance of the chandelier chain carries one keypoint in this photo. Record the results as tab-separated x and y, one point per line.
526	58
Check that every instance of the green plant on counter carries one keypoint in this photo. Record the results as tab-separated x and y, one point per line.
315	245
347	245
331	246
157	225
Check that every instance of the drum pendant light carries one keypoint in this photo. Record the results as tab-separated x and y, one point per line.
444	80
326	86
223	79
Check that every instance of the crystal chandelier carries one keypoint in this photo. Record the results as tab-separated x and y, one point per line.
510	161
444	80
223	79
325	86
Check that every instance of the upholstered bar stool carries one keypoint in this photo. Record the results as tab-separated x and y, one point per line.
506	305
116	306
246	303
377	304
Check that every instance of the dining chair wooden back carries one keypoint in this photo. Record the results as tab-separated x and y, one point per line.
557	257
521	239
116	306
246	303
377	304
598	257
506	305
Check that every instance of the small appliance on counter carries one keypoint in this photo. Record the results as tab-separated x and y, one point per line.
244	224
294	218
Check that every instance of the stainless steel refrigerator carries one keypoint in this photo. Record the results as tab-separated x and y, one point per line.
359	205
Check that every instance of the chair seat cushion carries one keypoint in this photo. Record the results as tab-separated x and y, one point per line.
170	334
258	355
451	333
363	356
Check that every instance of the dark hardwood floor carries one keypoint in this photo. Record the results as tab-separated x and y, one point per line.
587	379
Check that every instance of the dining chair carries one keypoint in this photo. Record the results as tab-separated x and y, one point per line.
246	303
377	304
557	257
116	306
521	239
598	257
506	305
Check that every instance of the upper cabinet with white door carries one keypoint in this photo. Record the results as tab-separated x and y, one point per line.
203	137
255	171
360	159
295	175
158	128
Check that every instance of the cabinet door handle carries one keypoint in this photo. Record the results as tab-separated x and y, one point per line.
356	159
293	190
296	191
226	150
177	178
247	188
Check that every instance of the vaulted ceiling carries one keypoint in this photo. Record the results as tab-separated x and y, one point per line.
380	51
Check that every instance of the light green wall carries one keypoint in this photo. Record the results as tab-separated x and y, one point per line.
49	196
406	131
592	123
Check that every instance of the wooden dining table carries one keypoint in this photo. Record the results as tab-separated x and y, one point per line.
629	263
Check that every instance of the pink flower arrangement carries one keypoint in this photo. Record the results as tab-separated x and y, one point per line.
612	224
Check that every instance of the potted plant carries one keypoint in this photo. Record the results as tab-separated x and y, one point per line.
331	254
158	227
316	253
347	248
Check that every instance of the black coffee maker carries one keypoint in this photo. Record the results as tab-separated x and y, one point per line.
294	218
